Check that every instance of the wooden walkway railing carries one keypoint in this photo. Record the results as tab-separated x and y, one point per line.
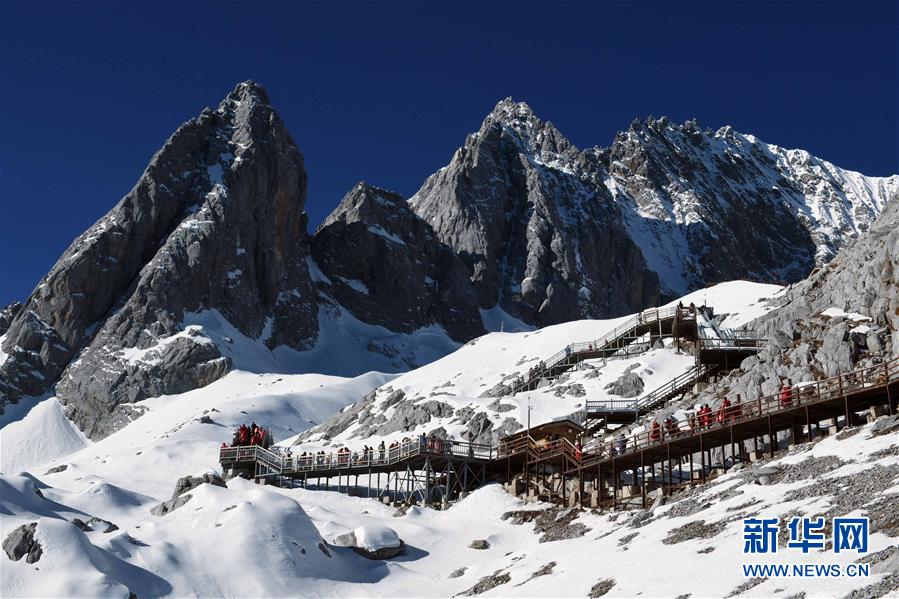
339	461
803	394
843	387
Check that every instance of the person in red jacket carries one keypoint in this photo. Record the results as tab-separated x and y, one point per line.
704	418
243	435
723	411
656	433
786	393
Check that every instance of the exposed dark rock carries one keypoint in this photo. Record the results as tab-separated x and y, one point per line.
486	583
215	222
751	583
7	314
628	385
554	524
104	526
602	587
21	543
883	587
82	524
386	265
479	544
187	483
537	239
55	469
172	504
697	529
458	573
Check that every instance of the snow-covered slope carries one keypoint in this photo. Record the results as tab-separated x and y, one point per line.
169	436
461	394
246	540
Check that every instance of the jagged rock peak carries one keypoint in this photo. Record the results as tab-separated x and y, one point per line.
368	204
247	91
386	266
518	122
214	230
509	110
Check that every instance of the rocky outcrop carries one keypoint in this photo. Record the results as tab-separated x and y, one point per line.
843	317
8	314
372	541
214	227
627	385
540	234
21	543
386	265
180	495
553	233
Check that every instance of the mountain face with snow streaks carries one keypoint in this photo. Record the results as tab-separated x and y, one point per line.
385	263
216	222
553	233
520	227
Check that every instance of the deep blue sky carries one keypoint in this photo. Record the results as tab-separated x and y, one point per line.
386	92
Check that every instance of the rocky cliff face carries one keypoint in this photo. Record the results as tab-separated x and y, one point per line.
214	231
843	317
387	266
528	213
216	222
553	233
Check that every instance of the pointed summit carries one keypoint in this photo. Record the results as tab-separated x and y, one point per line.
213	229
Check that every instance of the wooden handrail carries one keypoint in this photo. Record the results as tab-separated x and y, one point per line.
801	394
842	385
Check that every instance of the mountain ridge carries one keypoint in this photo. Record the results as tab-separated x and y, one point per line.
521	225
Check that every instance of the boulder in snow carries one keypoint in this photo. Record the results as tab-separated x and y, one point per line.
372	541
21	543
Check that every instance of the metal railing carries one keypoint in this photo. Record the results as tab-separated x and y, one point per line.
648	401
563	356
841	386
284	464
802	394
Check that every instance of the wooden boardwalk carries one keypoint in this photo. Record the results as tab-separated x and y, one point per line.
800	412
560	471
450	468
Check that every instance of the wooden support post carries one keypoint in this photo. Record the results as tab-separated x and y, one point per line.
599	485
702	457
580	484
614	485
643	478
772	440
691	469
733	459
886	379
668	451
427	498
562	480
808	424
